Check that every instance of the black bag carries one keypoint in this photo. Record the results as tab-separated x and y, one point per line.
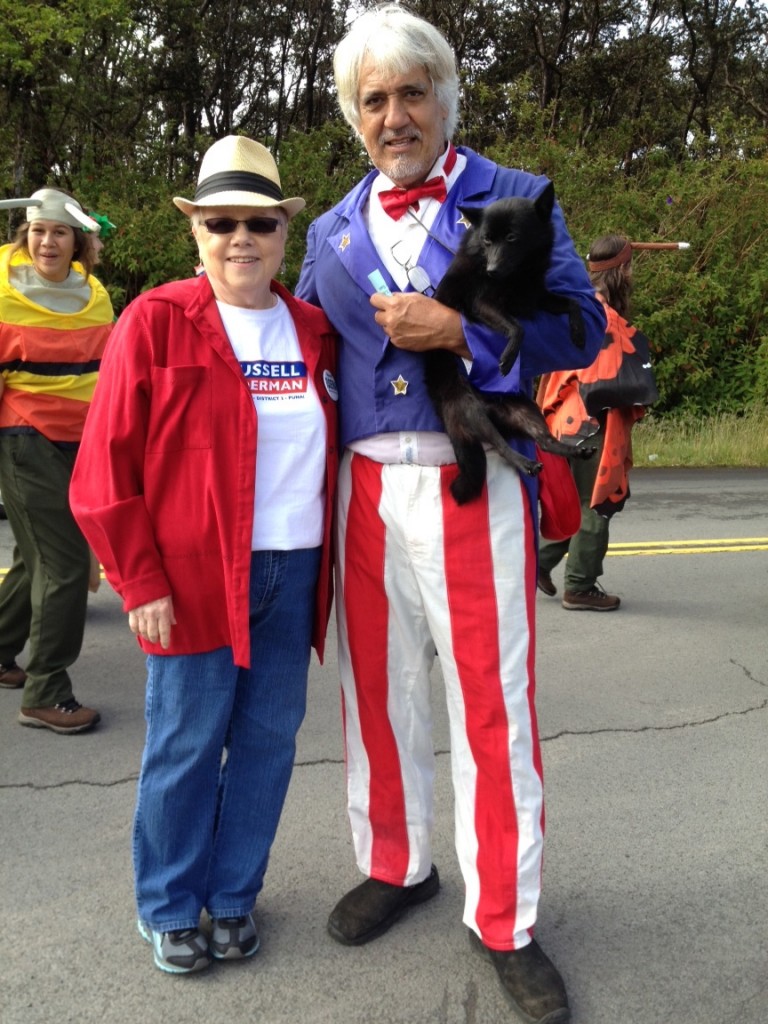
630	383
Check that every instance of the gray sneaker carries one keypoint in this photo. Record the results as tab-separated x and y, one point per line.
234	938
177	952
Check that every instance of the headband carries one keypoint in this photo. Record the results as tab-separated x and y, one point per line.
624	255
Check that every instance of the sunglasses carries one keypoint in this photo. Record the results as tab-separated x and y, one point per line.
255	225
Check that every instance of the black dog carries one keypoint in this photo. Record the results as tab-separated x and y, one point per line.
497	275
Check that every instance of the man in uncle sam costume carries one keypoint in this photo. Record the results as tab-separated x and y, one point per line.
416	571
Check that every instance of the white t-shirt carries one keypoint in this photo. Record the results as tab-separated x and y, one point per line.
289	502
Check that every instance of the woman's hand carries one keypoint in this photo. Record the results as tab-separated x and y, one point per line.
153	621
417	323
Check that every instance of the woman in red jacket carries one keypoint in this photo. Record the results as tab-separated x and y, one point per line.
205	483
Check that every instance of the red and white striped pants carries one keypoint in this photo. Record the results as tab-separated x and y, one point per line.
416	571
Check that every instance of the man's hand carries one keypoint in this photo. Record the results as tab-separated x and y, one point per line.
153	621
417	323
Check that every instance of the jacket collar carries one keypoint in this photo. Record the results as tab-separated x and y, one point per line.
202	311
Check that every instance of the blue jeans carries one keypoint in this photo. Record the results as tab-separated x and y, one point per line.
219	752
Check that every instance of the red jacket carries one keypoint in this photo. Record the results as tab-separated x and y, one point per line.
164	480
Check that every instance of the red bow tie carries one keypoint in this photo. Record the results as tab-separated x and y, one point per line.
397	200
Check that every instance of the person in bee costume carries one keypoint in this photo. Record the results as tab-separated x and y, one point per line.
55	318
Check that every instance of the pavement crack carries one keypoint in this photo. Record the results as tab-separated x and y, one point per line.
65	783
748	674
319	762
695	724
470	1003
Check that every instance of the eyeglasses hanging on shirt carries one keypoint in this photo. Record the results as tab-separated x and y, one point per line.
418	278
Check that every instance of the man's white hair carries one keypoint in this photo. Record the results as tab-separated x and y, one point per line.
395	41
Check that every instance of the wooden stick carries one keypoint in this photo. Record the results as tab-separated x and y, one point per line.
660	245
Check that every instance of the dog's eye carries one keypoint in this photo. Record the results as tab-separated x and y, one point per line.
512	238
486	240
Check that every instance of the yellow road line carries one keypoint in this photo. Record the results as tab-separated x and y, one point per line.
4	572
688	547
627	549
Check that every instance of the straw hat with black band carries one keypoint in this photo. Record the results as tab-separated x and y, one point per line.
237	171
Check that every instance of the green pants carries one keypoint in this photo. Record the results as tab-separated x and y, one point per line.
586	549
44	597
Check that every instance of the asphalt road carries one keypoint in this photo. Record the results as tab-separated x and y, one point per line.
654	723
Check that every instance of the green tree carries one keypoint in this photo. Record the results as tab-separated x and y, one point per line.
649	115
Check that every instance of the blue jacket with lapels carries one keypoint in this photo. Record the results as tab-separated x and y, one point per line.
340	255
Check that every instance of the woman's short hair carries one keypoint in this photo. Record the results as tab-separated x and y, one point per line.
395	41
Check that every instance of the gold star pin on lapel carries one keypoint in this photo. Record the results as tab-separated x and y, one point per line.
463	221
400	385
345	240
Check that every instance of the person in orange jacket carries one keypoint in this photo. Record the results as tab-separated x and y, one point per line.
603	480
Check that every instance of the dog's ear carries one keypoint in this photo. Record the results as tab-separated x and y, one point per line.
545	203
474	214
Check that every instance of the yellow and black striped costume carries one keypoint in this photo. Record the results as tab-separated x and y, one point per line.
49	360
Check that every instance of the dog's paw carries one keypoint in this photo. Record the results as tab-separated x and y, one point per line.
585	453
464	490
578	334
506	363
508	357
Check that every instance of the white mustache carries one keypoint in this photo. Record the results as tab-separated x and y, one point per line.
390	134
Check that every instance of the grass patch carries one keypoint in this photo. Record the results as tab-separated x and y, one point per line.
723	439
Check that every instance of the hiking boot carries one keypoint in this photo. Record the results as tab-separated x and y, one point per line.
66	717
12	677
593	600
372	907
234	938
177	952
545	584
531	982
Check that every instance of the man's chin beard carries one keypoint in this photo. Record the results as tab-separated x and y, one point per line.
406	169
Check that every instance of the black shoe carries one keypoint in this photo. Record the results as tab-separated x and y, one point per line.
531	982
545	584
372	907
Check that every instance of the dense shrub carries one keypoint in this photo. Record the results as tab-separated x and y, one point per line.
704	308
